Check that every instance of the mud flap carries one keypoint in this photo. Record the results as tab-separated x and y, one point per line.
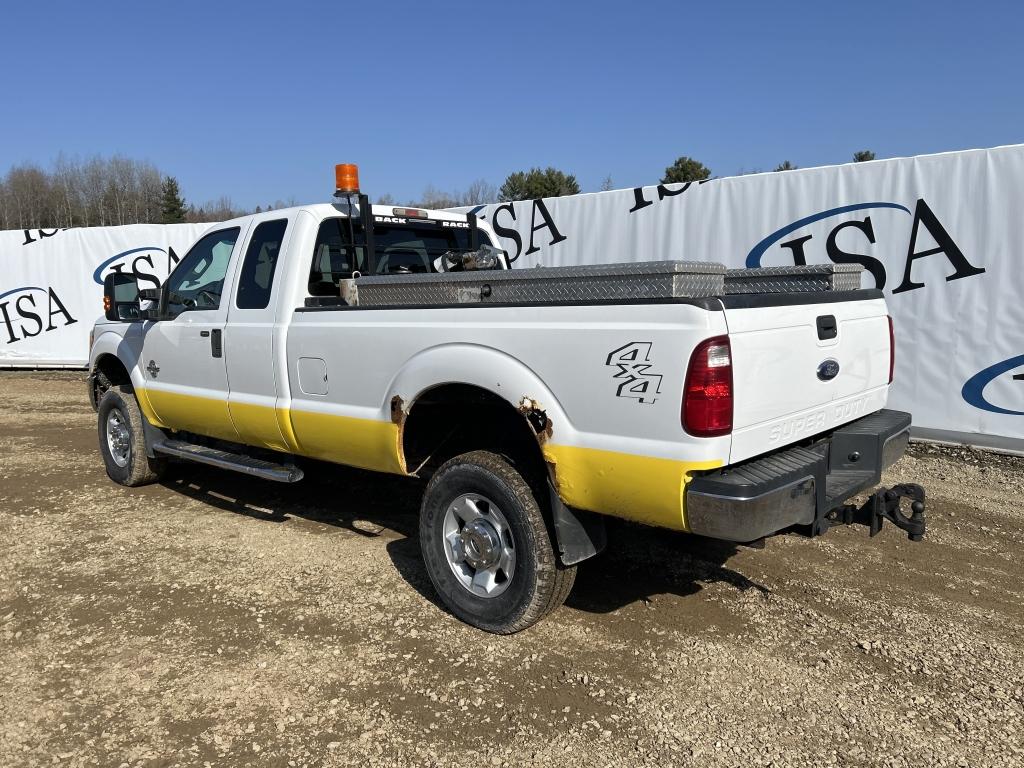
580	535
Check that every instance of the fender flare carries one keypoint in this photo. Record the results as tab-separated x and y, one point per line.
579	535
110	342
481	366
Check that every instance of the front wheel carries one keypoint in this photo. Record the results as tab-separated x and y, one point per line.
486	545
122	440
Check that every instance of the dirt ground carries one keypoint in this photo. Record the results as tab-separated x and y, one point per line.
218	620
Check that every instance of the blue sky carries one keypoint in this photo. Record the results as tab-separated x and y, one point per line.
258	100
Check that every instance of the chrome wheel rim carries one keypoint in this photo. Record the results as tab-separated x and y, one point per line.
118	438
479	545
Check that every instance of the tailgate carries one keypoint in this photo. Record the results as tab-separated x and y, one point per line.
800	369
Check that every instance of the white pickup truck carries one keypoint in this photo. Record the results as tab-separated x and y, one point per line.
731	404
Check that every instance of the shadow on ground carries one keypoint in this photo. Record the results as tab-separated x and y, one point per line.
639	563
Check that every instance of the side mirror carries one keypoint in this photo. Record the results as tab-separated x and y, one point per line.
149	294
121	297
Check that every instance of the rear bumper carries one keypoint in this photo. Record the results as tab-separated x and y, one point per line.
796	486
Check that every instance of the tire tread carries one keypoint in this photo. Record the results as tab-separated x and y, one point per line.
141	469
553	580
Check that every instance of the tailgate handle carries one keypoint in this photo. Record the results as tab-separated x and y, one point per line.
827	327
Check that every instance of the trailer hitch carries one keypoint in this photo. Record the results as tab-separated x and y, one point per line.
885	505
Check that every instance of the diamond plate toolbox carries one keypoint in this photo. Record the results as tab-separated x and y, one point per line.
796	279
548	285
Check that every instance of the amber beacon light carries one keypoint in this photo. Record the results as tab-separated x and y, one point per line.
346	179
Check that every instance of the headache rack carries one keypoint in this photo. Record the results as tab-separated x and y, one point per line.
628	282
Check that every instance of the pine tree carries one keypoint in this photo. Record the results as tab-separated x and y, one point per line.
785	165
685	169
863	156
537	183
172	205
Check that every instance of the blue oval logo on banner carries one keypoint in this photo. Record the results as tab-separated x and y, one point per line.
974	388
828	369
754	257
97	276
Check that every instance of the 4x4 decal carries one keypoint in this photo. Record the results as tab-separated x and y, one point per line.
633	364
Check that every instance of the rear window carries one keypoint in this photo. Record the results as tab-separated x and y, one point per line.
400	250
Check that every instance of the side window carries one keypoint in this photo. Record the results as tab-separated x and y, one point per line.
198	280
257	276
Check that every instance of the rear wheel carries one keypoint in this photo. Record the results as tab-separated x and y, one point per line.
486	545
122	440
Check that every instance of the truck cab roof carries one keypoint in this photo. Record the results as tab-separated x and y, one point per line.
383	214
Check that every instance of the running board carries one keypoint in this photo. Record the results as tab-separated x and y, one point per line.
279	473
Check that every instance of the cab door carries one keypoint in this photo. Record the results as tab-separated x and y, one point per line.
182	359
253	339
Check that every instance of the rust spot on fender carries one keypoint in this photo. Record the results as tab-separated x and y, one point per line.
538	418
397	410
398	415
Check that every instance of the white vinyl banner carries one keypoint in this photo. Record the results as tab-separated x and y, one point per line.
51	284
942	235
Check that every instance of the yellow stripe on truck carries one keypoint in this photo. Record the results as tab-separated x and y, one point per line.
363	443
203	415
258	425
641	488
142	395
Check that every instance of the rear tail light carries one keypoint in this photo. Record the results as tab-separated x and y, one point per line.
892	350
707	395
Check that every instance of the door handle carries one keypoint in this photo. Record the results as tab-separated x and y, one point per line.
216	343
204	334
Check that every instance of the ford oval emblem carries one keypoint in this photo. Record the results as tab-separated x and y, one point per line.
828	369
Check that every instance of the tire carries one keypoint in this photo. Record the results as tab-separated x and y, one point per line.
119	411
534	583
